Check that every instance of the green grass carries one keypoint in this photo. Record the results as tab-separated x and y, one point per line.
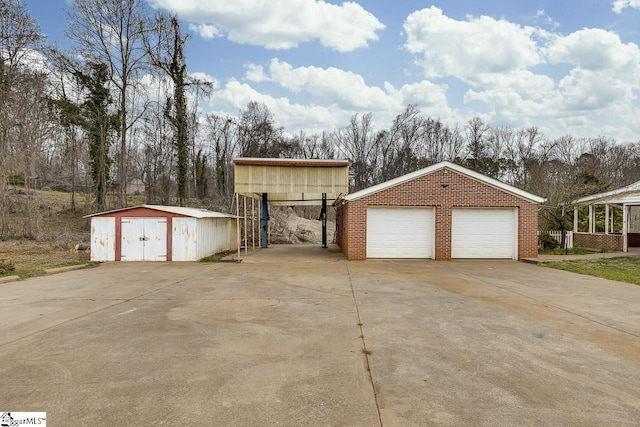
623	269
570	251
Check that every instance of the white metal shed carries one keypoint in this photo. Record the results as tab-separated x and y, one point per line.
160	233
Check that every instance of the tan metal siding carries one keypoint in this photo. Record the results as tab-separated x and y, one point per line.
289	180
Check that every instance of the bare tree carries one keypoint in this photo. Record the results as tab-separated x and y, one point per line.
361	146
221	133
479	158
111	32
155	156
19	36
258	135
166	49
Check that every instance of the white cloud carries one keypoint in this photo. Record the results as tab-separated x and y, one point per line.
282	24
313	118
465	49
619	5
206	31
330	85
541	16
595	49
593	90
349	91
335	96
582	83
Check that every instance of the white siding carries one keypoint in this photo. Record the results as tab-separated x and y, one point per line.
194	239
103	239
184	241
214	236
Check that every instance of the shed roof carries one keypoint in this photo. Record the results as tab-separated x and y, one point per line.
179	210
257	161
451	166
628	194
291	181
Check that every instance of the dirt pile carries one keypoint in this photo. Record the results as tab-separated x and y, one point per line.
289	227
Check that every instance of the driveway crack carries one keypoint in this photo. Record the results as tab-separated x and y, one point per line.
365	351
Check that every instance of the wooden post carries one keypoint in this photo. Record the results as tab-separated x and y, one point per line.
606	219
238	224
575	219
592	226
625	228
253	225
246	241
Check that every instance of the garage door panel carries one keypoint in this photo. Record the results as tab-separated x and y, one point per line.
400	232
484	233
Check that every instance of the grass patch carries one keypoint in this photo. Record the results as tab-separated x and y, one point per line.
35	264
570	251
623	269
219	257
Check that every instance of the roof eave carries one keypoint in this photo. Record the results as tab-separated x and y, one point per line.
454	167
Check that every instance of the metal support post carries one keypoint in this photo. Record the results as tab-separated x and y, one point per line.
264	222
323	216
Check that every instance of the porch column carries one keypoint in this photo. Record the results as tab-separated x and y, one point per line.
606	219
625	227
575	219
591	222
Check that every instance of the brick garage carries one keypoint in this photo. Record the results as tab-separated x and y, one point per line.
451	197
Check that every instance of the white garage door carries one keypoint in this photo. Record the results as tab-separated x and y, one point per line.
400	232
144	239
484	233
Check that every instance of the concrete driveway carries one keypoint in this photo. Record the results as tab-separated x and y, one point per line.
276	340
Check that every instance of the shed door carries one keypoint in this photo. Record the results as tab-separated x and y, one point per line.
144	239
484	233
400	232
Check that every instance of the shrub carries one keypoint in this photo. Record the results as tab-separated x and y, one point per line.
6	266
547	242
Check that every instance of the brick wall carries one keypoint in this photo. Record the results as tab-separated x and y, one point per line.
612	242
443	189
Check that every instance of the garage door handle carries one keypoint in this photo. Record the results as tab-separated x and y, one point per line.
144	239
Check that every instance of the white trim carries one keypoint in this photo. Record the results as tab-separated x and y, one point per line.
451	166
625	228
191	212
633	188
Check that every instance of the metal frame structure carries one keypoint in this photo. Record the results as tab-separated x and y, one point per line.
288	182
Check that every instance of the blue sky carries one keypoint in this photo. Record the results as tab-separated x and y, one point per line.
567	67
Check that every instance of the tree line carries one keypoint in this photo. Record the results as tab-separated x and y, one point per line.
87	121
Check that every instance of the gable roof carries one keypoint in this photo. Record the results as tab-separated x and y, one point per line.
190	212
451	166
630	193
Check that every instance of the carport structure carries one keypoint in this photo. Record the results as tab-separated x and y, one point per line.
613	220
289	182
